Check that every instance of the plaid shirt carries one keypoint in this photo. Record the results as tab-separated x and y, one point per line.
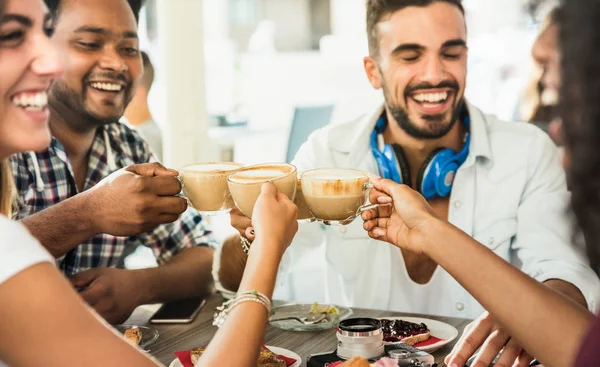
46	178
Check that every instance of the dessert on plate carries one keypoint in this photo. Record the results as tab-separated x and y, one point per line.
404	331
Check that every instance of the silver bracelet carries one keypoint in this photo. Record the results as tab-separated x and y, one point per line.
251	296
245	244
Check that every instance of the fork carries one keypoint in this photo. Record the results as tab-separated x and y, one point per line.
311	319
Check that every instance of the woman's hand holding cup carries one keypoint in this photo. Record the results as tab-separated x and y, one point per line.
274	218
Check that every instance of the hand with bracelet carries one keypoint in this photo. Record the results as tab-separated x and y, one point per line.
274	220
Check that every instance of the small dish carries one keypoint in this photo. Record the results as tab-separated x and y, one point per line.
301	311
149	335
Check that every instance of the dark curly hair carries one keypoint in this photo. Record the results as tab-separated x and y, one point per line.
580	110
136	7
379	9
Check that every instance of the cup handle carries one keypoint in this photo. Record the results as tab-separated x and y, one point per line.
181	194
365	208
180	179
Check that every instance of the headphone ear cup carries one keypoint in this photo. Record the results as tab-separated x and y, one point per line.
424	168
404	171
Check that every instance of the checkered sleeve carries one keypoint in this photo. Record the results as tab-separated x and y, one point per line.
22	180
167	240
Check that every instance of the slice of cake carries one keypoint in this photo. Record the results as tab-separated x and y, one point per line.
133	335
404	331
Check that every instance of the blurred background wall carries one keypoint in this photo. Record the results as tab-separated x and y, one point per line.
247	80
233	74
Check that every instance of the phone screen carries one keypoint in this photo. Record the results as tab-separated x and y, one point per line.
183	311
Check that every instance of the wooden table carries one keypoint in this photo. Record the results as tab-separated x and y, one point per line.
200	332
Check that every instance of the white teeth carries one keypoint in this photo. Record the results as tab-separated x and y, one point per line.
31	102
431	97
107	86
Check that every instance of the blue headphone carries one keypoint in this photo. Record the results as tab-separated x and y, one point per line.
435	176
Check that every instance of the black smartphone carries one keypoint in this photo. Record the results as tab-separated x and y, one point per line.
178	312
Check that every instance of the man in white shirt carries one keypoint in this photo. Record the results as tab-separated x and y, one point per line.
507	188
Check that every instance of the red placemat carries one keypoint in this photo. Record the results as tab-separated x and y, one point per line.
186	361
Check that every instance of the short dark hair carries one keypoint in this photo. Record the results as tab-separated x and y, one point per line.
148	76
378	9
136	7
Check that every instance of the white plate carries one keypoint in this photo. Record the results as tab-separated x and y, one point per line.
439	329
276	350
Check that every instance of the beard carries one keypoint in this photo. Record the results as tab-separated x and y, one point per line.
436	126
74	102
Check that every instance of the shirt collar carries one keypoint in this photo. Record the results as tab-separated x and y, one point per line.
104	135
480	139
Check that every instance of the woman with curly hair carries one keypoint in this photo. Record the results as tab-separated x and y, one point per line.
548	325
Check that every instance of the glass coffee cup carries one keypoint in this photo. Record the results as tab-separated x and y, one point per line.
245	184
304	213
205	186
336	196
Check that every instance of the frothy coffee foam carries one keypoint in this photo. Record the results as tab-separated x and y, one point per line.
259	174
216	167
334	174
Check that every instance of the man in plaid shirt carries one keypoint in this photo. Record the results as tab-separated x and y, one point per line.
93	192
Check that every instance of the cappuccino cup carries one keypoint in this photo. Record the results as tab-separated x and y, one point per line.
205	186
304	214
245	184
336	195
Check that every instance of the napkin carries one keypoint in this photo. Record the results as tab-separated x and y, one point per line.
186	361
432	340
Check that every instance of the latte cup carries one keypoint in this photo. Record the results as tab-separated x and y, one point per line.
336	196
245	184
205	186
304	214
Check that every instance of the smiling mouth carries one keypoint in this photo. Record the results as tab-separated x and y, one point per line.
432	99
31	101
107	87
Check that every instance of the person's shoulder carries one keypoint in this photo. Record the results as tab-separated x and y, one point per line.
19	162
129	140
343	132
525	130
124	133
519	144
518	135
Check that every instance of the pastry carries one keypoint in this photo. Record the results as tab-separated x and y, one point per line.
266	358
133	336
404	331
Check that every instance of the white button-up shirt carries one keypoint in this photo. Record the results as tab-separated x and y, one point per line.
510	195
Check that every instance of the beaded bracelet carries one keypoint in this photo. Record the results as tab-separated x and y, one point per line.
251	296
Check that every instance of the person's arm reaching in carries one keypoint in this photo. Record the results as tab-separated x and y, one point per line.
274	220
524	308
